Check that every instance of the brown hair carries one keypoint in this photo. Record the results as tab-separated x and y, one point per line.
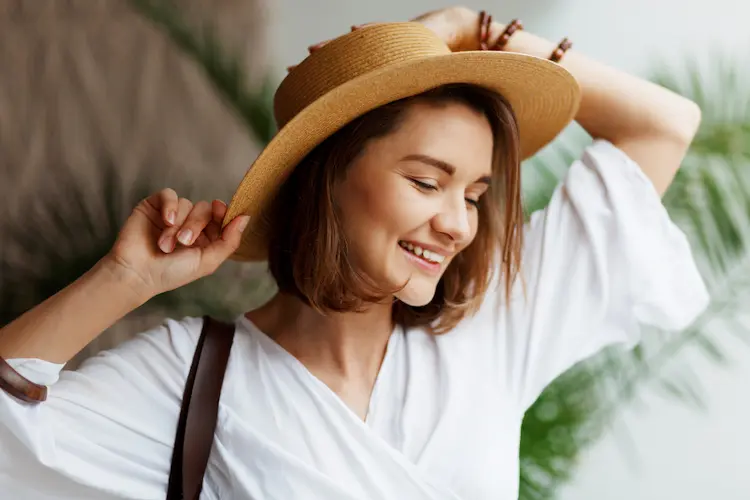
308	254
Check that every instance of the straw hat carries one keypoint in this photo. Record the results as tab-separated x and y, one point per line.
376	65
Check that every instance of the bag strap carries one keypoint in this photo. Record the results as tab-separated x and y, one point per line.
200	407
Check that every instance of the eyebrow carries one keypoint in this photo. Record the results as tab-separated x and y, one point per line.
442	165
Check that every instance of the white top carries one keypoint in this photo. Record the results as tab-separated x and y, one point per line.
445	416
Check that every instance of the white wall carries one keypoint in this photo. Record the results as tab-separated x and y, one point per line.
674	451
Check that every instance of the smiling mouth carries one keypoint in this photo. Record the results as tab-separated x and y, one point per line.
426	255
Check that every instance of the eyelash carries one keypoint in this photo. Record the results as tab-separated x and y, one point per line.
429	187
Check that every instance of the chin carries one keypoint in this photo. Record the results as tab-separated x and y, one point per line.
416	294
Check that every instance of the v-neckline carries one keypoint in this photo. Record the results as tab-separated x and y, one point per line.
372	404
369	426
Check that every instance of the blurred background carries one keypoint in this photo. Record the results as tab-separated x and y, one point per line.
105	101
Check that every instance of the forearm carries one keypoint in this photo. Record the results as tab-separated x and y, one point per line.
653	125
616	105
58	328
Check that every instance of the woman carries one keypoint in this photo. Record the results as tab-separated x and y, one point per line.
417	317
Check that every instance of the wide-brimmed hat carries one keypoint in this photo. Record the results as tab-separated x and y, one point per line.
376	65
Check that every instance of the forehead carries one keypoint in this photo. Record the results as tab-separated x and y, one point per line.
451	132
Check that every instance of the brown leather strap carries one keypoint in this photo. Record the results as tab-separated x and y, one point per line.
200	407
18	386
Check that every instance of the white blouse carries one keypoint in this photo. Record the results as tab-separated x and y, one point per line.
445	415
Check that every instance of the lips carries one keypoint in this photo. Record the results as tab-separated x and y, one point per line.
423	253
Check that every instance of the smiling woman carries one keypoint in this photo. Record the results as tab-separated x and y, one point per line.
437	172
417	317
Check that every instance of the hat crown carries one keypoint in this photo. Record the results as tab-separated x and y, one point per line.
350	56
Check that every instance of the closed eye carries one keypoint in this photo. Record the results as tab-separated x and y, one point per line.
430	187
423	185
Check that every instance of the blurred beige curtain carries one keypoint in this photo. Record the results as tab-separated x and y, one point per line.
87	80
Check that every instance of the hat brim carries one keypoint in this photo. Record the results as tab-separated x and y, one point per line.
544	97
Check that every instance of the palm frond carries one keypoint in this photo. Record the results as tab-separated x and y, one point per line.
719	87
58	237
543	172
710	201
223	70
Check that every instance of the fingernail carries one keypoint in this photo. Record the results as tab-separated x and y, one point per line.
185	236
164	244
171	216
244	222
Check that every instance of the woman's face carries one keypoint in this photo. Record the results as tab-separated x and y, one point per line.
408	202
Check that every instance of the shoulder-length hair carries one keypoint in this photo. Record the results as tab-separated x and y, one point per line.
308	254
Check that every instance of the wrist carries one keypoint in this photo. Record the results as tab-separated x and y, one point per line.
470	27
126	283
523	42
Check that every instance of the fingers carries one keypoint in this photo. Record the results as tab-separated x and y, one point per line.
168	200
219	210
310	49
164	203
195	225
202	241
360	26
212	232
313	48
220	250
198	218
167	240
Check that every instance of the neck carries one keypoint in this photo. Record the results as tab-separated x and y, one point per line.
349	344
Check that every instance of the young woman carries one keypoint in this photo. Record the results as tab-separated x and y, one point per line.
417	316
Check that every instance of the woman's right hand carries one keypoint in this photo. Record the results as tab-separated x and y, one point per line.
168	241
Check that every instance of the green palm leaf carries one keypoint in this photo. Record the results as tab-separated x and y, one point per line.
222	69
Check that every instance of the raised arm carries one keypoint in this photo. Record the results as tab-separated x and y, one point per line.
147	259
107	429
58	328
651	124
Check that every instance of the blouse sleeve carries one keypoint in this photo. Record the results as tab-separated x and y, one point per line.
106	430
602	258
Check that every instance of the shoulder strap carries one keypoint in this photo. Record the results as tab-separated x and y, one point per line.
200	407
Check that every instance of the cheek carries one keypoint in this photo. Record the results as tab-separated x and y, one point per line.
375	216
380	209
369	216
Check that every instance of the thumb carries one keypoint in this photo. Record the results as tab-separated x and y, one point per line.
221	249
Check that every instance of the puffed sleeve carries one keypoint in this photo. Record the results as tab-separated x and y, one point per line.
600	260
106	430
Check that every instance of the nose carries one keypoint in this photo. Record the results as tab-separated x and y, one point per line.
454	220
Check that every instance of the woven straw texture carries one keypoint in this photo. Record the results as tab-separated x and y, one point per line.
379	64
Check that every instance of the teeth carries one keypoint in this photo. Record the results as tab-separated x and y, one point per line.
425	254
